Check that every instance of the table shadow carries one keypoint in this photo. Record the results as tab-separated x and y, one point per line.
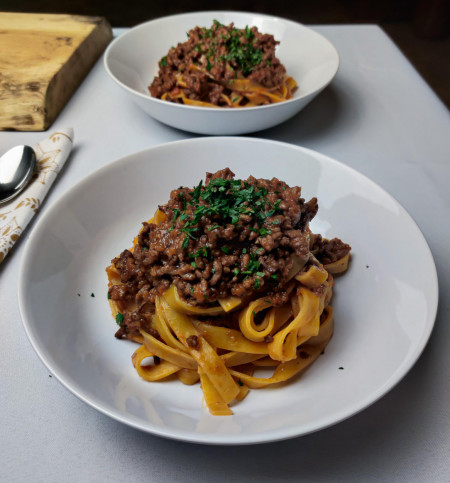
331	111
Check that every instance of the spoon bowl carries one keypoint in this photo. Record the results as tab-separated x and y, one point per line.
16	168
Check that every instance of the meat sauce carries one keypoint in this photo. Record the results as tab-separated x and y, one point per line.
223	238
210	58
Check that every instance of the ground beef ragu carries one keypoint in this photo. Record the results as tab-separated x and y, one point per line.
210	58
328	251
224	238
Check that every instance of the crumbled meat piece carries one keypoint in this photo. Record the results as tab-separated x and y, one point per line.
329	251
192	341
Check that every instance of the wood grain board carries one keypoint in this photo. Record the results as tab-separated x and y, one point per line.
43	59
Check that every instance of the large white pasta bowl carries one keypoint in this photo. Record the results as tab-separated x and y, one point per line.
132	59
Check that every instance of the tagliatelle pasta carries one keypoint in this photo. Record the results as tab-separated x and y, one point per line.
241	93
223	281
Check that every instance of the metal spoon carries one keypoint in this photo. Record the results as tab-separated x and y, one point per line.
16	168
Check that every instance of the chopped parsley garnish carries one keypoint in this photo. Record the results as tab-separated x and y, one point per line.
224	201
253	266
163	61
196	193
243	55
275	208
201	252
264	231
119	318
92	294
190	231
240	382
108	296
176	214
219	204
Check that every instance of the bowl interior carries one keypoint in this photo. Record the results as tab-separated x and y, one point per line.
133	58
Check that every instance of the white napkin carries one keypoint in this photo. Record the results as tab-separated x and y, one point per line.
51	154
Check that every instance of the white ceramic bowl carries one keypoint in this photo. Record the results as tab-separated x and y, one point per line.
132	61
384	306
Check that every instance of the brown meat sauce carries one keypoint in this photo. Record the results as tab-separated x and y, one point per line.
210	58
214	244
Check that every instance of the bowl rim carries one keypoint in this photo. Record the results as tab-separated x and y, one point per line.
173	105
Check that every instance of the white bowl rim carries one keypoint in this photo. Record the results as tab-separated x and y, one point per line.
171	105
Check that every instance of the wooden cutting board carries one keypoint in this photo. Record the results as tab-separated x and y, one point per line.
43	59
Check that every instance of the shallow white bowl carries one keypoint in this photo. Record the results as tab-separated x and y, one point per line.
384	305
132	61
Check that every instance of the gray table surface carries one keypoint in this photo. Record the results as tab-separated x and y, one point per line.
379	117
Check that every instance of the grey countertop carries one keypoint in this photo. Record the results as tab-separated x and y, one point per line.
379	117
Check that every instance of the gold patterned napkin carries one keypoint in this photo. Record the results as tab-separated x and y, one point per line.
51	154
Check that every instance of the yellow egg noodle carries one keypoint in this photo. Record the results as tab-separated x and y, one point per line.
244	93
